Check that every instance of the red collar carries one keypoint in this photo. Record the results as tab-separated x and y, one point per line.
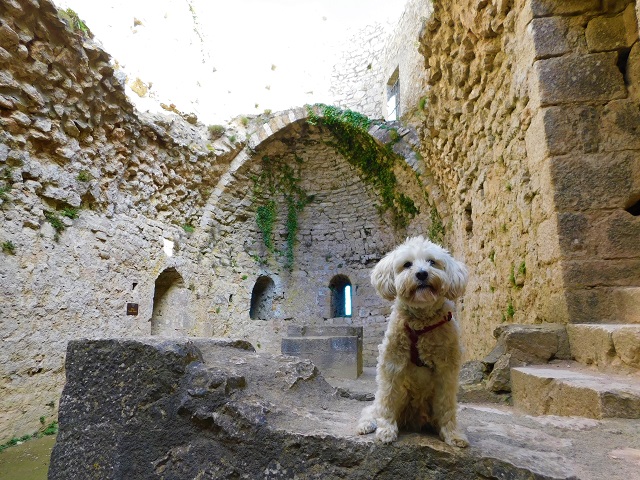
414	335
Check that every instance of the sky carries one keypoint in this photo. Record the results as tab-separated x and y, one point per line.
220	59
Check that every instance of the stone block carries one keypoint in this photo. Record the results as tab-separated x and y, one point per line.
549	37
604	345
601	273
579	78
592	182
620	125
335	350
610	33
545	8
626	340
622	235
633	71
570	129
569	390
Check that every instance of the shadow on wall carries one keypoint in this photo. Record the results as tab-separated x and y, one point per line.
262	299
170	305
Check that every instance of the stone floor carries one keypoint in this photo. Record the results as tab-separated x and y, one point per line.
550	446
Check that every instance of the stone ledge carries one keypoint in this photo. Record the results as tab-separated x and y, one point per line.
605	345
569	389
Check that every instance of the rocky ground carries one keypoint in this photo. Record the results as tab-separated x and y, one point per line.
194	408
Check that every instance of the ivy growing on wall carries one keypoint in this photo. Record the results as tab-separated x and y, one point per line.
279	179
376	163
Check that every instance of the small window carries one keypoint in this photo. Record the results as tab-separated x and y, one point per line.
340	286
393	96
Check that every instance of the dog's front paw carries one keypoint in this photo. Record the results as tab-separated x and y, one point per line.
454	438
387	434
366	426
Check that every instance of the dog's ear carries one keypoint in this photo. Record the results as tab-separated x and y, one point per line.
458	277
382	277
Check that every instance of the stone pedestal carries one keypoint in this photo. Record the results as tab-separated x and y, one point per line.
336	351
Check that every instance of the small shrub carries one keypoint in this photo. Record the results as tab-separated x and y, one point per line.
216	131
9	247
188	228
84	176
510	309
244	121
55	221
522	268
70	212
51	429
73	20
244	277
267	111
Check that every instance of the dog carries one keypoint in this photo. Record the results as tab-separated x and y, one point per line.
420	356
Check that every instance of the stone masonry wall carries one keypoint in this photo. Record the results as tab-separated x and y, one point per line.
473	131
587	83
357	80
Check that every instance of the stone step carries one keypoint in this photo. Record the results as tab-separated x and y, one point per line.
605	346
571	389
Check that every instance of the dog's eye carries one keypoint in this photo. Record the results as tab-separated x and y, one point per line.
407	265
431	262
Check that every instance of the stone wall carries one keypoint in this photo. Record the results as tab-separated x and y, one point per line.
357	79
528	130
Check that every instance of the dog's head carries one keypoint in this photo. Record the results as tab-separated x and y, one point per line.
419	272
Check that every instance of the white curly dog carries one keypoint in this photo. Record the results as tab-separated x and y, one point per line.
419	358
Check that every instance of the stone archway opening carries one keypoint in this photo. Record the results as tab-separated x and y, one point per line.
262	298
341	295
170	301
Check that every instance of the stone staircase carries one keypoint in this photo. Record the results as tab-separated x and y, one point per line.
600	380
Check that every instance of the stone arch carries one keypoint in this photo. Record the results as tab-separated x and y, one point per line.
170	305
262	298
341	296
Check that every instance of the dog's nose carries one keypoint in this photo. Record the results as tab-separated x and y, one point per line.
422	275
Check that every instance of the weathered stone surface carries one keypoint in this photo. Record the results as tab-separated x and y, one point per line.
612	33
591	182
549	37
543	8
579	78
181	408
605	345
568	389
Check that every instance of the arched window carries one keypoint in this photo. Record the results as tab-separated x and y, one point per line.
340	286
262	299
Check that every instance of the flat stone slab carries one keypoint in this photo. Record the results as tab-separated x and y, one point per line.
568	388
606	345
204	408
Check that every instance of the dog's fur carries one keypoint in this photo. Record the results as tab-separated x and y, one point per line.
422	279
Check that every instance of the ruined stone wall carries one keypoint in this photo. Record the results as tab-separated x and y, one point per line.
401	53
587	83
102	206
89	191
357	80
527	129
473	136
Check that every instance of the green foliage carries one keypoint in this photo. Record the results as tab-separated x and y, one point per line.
512	277
244	121
244	277
278	178
492	256
51	429
375	163
436	229
216	131
188	228
73	20
9	247
267	111
265	218
70	212
84	176
55	221
422	104
510	310
522	268
3	193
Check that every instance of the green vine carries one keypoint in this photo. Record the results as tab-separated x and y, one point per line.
376	163
436	229
278	178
